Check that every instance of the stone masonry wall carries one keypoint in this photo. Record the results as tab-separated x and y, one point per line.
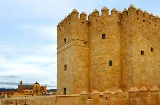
104	50
133	96
112	51
73	51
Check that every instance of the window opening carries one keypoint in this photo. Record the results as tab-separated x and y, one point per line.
151	49
103	36
64	91
142	52
64	40
65	67
110	62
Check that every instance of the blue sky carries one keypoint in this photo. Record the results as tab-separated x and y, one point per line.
28	35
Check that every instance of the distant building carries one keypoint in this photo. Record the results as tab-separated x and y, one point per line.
34	89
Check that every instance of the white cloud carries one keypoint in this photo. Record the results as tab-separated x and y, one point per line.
5	48
27	64
49	49
30	68
49	32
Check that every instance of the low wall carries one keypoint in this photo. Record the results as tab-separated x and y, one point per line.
68	99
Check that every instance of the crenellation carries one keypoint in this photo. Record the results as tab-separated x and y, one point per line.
90	17
95	13
139	9
145	12
123	98
69	18
151	17
83	16
105	11
155	88
84	96
124	14
132	6
139	13
95	96
114	12
157	19
115	15
74	11
145	16
120	16
132	12
125	10
74	15
143	92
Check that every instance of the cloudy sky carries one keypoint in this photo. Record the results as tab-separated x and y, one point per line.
28	35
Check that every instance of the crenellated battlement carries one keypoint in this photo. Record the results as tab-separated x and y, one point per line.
138	13
133	96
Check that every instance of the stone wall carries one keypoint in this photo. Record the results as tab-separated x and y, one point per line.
108	50
103	50
36	100
134	96
73	52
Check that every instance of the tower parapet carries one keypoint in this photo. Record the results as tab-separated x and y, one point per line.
132	13
114	12
104	11
138	13
83	16
95	13
74	15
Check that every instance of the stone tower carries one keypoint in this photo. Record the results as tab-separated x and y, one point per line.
73	54
108	51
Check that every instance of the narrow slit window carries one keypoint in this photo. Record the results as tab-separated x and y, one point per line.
65	67
64	91
103	36
64	40
142	52
151	49
110	62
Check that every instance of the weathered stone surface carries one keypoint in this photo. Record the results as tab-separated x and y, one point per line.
108	51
